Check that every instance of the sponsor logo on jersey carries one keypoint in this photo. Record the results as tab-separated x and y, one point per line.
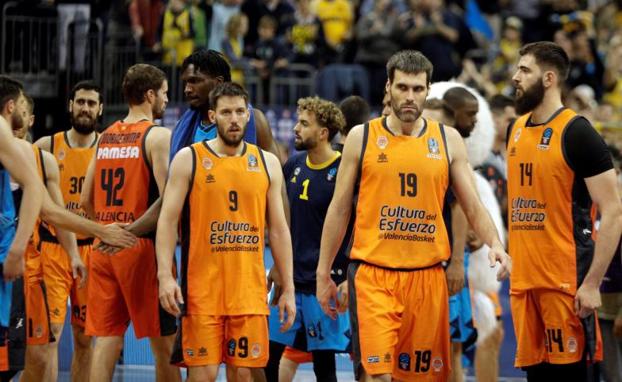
373	359
572	345
202	352
210	179
231	347
437	364
382	158
124	152
387	358
190	352
256	350
331	174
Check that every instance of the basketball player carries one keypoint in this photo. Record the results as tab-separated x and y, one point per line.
400	237
222	246
558	168
310	181
14	240
73	150
356	111
201	72
40	341
123	179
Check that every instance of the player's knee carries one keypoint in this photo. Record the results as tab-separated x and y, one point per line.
57	331
82	342
244	374
202	374
37	356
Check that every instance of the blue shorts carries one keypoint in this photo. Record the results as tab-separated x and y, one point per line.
461	314
312	329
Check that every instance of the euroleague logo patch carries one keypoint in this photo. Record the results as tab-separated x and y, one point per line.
545	140
433	149
253	165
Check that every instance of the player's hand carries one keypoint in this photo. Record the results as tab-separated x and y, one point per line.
79	270
586	300
13	267
617	327
287	309
274	280
498	254
115	235
106	249
326	293
455	277
342	297
170	295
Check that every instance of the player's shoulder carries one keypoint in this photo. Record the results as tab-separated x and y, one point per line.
45	143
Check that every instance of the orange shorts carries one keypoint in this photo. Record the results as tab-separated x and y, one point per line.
37	313
400	322
124	287
240	341
548	330
60	283
297	356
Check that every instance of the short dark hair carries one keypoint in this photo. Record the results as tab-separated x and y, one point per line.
86	85
355	110
327	114
10	89
227	89
549	54
139	79
210	62
411	62
457	97
499	102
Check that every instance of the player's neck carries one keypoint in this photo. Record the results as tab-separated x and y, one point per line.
139	113
77	139
321	153
545	110
224	150
398	127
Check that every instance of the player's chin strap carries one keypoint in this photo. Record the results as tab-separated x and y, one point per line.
589	332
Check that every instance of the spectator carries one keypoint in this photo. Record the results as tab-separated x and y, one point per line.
177	33
145	16
307	35
280	10
613	73
375	34
337	18
434	31
233	46
199	24
269	55
586	67
222	11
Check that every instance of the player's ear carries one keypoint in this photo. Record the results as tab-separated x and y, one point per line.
212	116
71	106
101	110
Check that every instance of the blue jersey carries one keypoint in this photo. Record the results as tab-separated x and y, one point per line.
310	189
191	129
7	233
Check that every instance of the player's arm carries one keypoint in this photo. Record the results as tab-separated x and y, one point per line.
455	269
337	218
44	143
280	241
21	167
177	188
465	190
157	145
66	238
87	197
604	193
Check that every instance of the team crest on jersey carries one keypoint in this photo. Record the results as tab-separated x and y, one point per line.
517	134
256	350
296	172
253	165
61	154
207	163
382	142
545	141
437	364
331	174
434	150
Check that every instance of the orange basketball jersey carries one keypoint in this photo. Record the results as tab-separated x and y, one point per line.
73	163
223	233
399	212
40	224
123	180
549	234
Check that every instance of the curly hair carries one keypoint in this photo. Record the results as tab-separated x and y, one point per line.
327	114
